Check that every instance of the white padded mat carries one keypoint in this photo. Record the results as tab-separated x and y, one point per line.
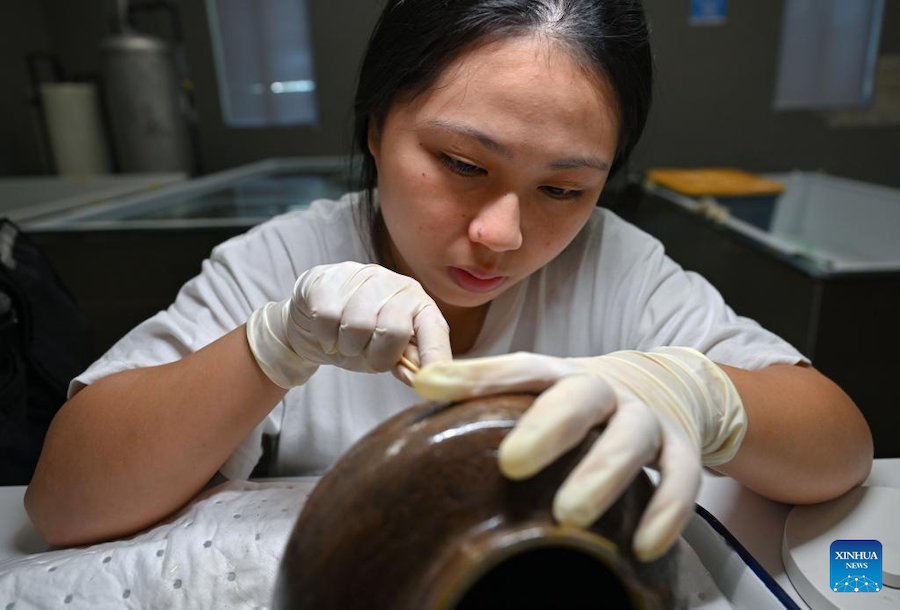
221	551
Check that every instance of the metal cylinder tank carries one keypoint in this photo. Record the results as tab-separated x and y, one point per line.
148	126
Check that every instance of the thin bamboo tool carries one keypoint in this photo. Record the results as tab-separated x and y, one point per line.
409	364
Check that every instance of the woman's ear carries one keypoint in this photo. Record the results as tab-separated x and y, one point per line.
374	141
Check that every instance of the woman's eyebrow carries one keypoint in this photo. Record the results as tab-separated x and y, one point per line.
482	138
491	144
579	163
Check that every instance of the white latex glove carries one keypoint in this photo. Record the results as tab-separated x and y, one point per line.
671	407
358	317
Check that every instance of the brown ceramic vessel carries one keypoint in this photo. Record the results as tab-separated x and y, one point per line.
418	516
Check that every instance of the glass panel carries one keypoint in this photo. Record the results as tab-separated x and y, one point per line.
264	62
256	197
242	196
828	53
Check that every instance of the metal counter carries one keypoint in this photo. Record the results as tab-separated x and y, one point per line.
26	199
822	224
125	259
240	197
819	265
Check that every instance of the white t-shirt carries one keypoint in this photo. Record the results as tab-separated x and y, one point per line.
613	288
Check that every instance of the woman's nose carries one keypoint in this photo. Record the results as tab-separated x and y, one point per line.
498	224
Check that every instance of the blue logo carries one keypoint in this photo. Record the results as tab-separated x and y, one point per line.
856	566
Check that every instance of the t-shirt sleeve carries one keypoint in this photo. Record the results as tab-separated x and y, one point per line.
240	275
674	307
210	305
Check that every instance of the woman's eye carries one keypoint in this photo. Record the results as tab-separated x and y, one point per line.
561	193
461	168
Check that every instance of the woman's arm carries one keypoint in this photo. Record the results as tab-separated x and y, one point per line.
133	447
806	441
803	438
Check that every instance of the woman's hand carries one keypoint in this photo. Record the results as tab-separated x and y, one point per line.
671	407
358	317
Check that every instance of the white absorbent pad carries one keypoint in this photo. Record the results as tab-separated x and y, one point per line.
220	552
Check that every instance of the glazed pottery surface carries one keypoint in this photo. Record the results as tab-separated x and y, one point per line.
417	516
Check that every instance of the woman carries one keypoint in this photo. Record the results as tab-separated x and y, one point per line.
490	128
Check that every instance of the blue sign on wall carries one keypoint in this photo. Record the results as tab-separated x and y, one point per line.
708	12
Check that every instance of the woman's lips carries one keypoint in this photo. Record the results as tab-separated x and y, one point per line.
476	281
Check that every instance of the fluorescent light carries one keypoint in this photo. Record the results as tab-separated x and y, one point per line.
293	86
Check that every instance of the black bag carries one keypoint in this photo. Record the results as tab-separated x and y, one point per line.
44	343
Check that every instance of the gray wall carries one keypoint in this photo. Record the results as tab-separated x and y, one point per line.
715	89
713	104
341	30
22	29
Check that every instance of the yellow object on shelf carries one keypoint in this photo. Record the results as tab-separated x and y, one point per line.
713	181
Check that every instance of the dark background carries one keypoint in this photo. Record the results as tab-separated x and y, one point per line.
713	107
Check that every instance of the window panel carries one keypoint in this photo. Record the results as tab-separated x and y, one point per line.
264	62
828	53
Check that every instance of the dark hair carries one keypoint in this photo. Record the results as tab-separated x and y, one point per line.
414	40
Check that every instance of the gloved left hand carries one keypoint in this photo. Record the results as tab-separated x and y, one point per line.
671	407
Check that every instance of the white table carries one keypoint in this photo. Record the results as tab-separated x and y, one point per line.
758	523
755	521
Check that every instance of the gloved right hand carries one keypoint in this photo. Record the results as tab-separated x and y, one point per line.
671	407
358	317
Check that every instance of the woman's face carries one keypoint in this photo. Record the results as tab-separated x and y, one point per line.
490	174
